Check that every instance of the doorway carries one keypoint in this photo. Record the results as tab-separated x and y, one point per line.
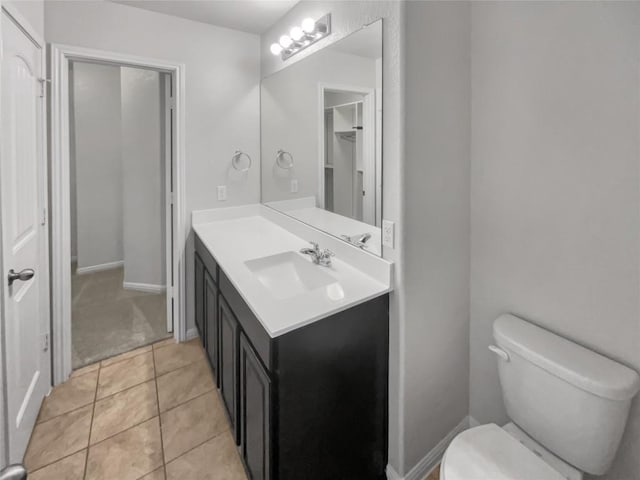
130	263
349	167
118	156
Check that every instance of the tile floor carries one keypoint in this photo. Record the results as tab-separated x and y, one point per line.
150	414
434	475
108	320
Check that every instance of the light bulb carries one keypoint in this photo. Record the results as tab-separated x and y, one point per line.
285	41
296	33
308	25
276	48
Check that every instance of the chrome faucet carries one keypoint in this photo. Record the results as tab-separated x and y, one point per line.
359	241
319	257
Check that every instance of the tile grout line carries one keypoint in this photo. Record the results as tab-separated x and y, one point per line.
132	426
155	379
227	430
96	400
58	460
93	411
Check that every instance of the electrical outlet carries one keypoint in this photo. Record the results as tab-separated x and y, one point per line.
222	193
388	233
294	186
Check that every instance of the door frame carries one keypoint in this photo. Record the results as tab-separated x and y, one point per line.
37	39
60	56
368	107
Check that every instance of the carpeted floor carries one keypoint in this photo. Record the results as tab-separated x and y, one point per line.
108	320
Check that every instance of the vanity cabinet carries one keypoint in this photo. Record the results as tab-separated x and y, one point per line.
229	339
255	413
211	329
308	404
199	304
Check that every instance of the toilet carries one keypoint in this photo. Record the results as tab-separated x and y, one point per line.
568	408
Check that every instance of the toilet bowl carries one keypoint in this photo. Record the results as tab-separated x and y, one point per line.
568	406
490	452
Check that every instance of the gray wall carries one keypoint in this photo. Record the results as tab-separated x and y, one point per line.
223	92
436	223
554	184
98	163
142	177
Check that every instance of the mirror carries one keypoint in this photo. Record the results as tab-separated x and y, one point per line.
321	127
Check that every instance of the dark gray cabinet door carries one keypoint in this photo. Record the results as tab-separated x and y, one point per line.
255	413
211	322
228	367
199	300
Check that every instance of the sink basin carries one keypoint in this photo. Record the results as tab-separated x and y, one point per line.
288	274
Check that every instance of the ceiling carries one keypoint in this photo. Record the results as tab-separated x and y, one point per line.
254	16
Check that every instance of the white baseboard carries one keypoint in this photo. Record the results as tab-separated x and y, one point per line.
144	287
192	333
431	459
473	422
99	268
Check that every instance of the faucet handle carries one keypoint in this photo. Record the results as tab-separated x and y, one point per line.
315	245
324	257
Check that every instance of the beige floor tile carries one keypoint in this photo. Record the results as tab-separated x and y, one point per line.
124	410
125	374
155	475
81	371
59	437
172	357
192	423
435	474
164	343
180	385
125	356
127	456
69	468
74	393
216	459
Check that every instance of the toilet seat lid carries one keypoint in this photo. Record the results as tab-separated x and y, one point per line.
488	452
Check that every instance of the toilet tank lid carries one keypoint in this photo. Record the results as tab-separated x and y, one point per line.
583	368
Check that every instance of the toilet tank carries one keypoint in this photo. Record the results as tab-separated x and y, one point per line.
573	401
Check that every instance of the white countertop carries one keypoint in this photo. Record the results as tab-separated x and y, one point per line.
233	241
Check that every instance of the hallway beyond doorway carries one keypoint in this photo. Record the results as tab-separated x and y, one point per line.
108	320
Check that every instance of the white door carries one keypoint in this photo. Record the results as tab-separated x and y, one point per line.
24	234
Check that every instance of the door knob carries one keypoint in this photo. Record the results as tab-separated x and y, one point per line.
24	275
13	472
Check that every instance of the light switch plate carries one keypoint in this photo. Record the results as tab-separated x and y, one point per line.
222	193
388	233
294	186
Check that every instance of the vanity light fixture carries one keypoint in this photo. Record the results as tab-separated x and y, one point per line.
299	38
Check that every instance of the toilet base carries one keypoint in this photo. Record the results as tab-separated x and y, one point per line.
567	470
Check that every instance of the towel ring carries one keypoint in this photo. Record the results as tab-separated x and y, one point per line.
235	161
281	161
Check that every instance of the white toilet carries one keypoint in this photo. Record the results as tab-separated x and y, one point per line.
568	406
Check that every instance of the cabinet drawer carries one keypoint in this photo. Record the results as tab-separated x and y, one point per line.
252	327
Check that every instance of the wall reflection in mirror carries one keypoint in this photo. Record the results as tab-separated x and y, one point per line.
322	139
